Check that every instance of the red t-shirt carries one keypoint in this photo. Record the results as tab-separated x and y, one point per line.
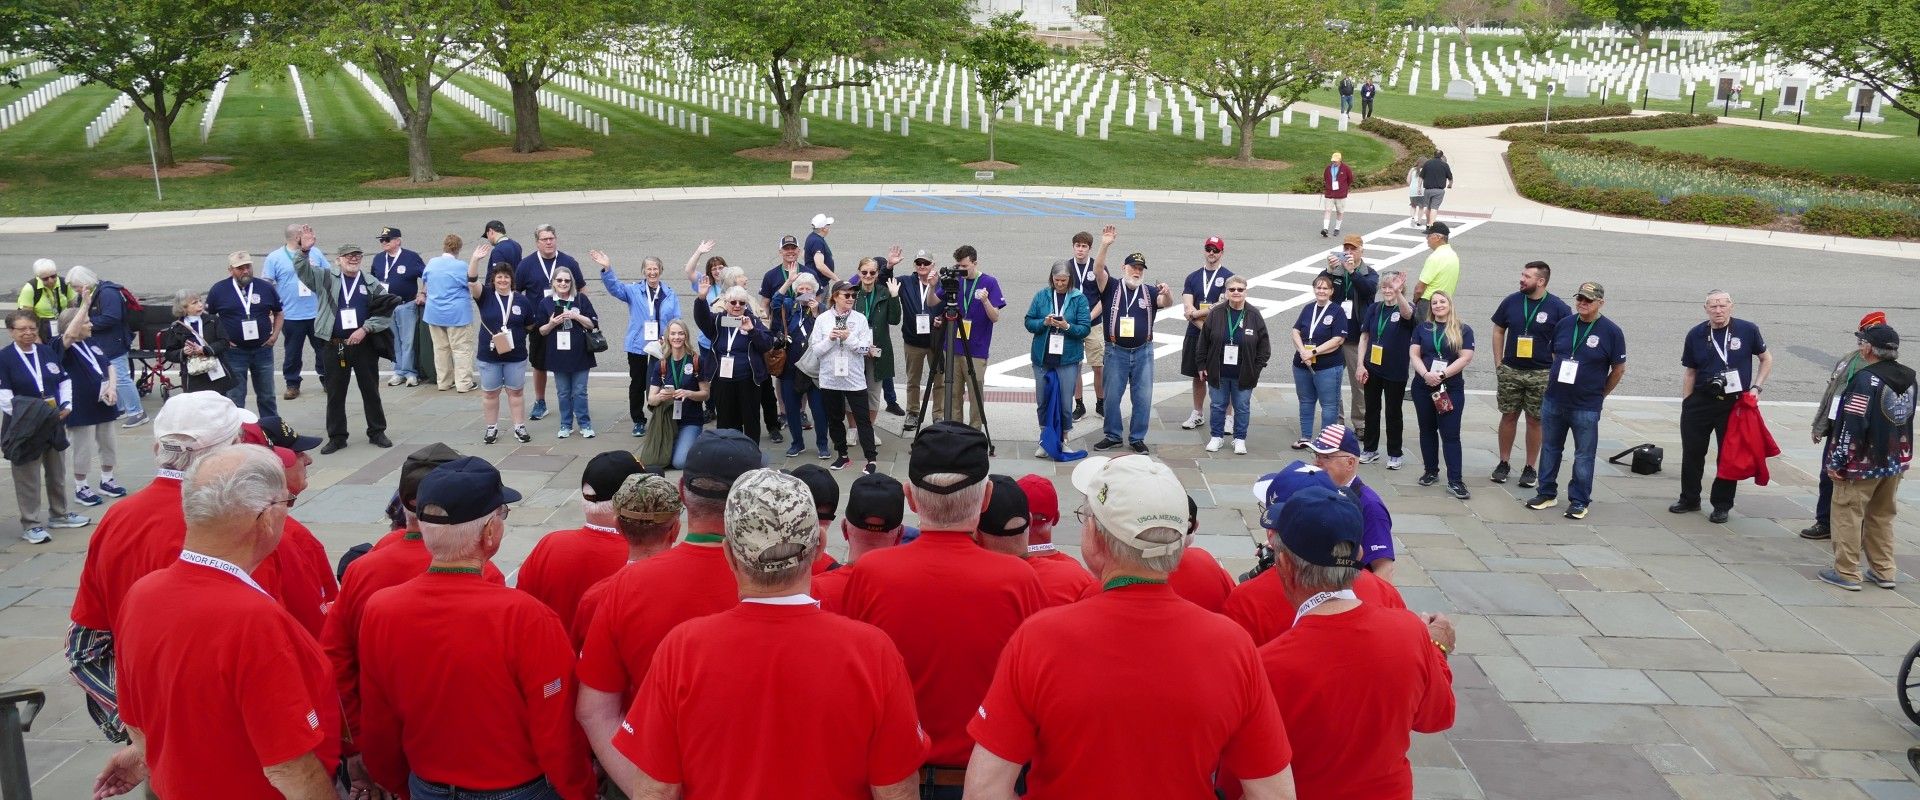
298	575
1352	686
1061	577
583	612
222	681
642	602
564	564
824	562
395	535
1260	605
467	682
719	714
1133	692
1201	580
400	561
950	607
830	588
138	535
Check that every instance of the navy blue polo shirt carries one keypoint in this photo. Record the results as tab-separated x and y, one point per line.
685	373
817	244
531	276
1316	325
1207	287
1709	352
401	273
1393	331
1432	341
17	372
1142	305
353	292
770	282
1596	347
505	251
1354	293
519	311
577	357
1521	316
225	301
1089	286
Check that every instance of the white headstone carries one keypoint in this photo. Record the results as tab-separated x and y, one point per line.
1460	89
1577	85
1793	96
1313	119
1863	102
1663	86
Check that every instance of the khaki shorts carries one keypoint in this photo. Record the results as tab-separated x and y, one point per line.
1339	204
1520	389
1095	346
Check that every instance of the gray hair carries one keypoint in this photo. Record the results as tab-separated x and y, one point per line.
731	276
700	507
458	542
183	298
805	278
1389	275
959	511
1059	269
655	261
1307	577
79	277
544	228
61	322
1712	293
1886	353
637	532
231	481
596	507
43	267
737	293
1129	556
293	231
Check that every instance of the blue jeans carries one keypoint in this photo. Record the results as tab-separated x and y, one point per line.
258	362
1439	431
1129	371
1320	387
790	398
296	334
1068	378
1346	103
683	440
123	384
570	398
1229	390
406	318
1555	422
538	790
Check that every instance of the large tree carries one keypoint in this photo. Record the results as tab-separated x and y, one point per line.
1466	14
1256	57
1003	55
535	40
791	45
1873	42
413	47
165	55
1643	17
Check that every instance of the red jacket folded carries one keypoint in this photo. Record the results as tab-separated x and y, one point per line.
1745	448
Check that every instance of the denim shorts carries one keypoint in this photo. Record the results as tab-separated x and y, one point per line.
495	374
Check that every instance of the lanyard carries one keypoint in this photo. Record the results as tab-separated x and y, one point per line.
223	565
1381	319
1720	347
1206	284
1083	271
679	374
33	365
1314	324
1129	580
548	268
348	287
1128	304
501	300
966	297
926	291
1233	324
246	306
86	352
1059	305
1439	339
872	298
732	339
1581	336
193	327
1315	601
1526	312
654	296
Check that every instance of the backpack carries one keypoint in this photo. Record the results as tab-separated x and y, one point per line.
133	304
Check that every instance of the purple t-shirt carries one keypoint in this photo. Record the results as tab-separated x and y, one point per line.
980	338
1376	535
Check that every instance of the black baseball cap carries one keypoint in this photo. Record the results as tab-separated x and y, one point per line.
280	434
493	225
605	473
418	464
788	241
1440	228
826	493
947	447
1882	336
464	489
391	232
1006	513
718	458
1136	260
876	503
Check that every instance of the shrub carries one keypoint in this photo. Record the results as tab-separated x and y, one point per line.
1867	223
1535	180
1515	115
1615	125
1415	143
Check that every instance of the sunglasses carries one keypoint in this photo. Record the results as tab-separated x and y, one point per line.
867	273
1579	299
1211	249
1236	288
736	302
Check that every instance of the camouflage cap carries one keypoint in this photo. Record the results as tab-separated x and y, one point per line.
648	498
770	521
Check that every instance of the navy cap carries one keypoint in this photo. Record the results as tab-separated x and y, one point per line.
280	434
718	458
1314	521
1274	489
1882	336
605	473
390	232
876	503
1007	512
947	447
820	483
464	489
419	464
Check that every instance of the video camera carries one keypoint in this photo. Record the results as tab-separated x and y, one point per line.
951	279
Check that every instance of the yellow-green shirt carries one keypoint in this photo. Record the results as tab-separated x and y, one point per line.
51	301
1441	272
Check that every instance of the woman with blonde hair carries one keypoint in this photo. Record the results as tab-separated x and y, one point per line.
1441	350
678	386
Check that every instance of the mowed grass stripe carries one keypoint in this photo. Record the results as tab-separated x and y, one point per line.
60	127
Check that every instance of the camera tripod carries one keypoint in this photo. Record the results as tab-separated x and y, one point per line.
950	333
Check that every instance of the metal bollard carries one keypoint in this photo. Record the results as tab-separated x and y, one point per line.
15	783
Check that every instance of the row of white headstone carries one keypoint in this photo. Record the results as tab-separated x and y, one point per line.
102	124
212	108
35	100
494	117
558	103
379	94
24	71
300	93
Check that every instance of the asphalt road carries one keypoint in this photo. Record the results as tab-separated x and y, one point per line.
1806	302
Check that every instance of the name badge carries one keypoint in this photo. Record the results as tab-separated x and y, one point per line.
1732	377
1056	345
1569	370
841	368
726	367
249	329
1126	327
923	323
219	370
349	318
677	408
563	340
303	290
966	329
1440	366
652	331
1204	307
1230	355
1833	410
1523	347
1346	307
1375	354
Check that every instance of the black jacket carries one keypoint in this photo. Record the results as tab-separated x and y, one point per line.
1256	348
32	429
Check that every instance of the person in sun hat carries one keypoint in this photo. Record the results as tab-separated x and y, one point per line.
1823	417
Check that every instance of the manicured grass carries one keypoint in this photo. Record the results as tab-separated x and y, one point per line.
1890	159
259	133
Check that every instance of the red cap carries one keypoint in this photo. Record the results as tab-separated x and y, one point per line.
251	433
1043	503
1215	241
288	458
1873	318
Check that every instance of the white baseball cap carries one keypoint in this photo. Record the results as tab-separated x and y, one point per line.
1132	494
821	221
208	418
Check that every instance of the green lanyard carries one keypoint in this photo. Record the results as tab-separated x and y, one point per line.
1129	580
1233	324
1580	336
1439	337
1381	330
966	297
872	298
679	374
1526	314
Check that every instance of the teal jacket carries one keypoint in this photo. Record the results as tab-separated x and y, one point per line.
1079	323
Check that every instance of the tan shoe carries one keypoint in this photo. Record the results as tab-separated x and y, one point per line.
292	393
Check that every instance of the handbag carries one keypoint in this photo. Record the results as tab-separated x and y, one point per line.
200	365
1646	458
777	360
1442	401
596	341
809	363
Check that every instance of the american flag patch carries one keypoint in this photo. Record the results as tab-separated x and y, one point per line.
1856	405
313	719
551	689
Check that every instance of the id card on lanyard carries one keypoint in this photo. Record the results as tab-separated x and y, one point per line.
726	358
923	321
1523	343
249	327
652	327
1723	348
1057	341
1377	353
1230	355
349	317
1570	368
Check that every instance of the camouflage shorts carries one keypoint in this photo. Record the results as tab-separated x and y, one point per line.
1520	389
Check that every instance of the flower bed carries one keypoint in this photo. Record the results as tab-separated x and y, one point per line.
1671	181
1514	115
1614	125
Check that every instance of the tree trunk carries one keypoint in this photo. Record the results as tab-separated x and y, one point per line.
162	138
1463	25
790	137
1246	122
419	149
526	113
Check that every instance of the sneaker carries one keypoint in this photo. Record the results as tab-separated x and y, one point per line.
86	497
1369	456
823	454
1193	421
1213	444
520	432
1239	447
1323	233
564	433
539	410
1299	444
1501	472
795	450
870	468
1528	477
1818	531
112	488
492	435
639	430
1394	462
1106	443
1336	233
1039	452
1459	491
69	520
586	433
1875	579
412	381
896	410
138	419
1079	409
396	380
1100	406
840	463
1429	477
1138	447
36	535
774	435
909	425
1576	512
1541	502
1832	577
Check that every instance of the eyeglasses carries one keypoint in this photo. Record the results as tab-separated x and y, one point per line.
288	502
49	277
868	273
1083	515
1236	288
28	329
544	239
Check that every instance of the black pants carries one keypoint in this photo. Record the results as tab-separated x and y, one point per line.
1366	108
639	366
770	405
836	404
1394	393
1701	415
1440	433
363	367
295	334
736	405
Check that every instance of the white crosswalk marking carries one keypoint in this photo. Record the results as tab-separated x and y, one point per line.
1274	292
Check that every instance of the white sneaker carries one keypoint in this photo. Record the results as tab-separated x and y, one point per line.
564	433
36	535
413	381
1039	452
1239	447
1213	444
586	433
1193	421
1393	462
396	380
1369	456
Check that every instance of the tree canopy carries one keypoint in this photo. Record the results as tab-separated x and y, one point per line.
1643	17
1874	42
1003	55
413	46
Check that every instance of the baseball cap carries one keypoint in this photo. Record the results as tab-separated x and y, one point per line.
1440	228
717	459
646	497
769	521
1132	494
493	225
820	221
388	232
280	434
1273	488
1591	291
1043	501
417	466
1335	438
1136	260
947	447
206	418
788	241
605	472
820	484
1871	319
876	503
1315	520
1353	240
239	258
923	256
1215	243
1882	336
465	489
288	458
349	249
844	286
1006	513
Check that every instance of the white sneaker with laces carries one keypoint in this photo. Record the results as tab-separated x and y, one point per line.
1393	462
36	536
1239	447
1193	421
1370	456
1213	444
396	380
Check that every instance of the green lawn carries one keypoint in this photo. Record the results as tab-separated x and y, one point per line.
1891	159
259	133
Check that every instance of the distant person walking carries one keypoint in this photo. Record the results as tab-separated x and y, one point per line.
1346	96
1367	91
1435	179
